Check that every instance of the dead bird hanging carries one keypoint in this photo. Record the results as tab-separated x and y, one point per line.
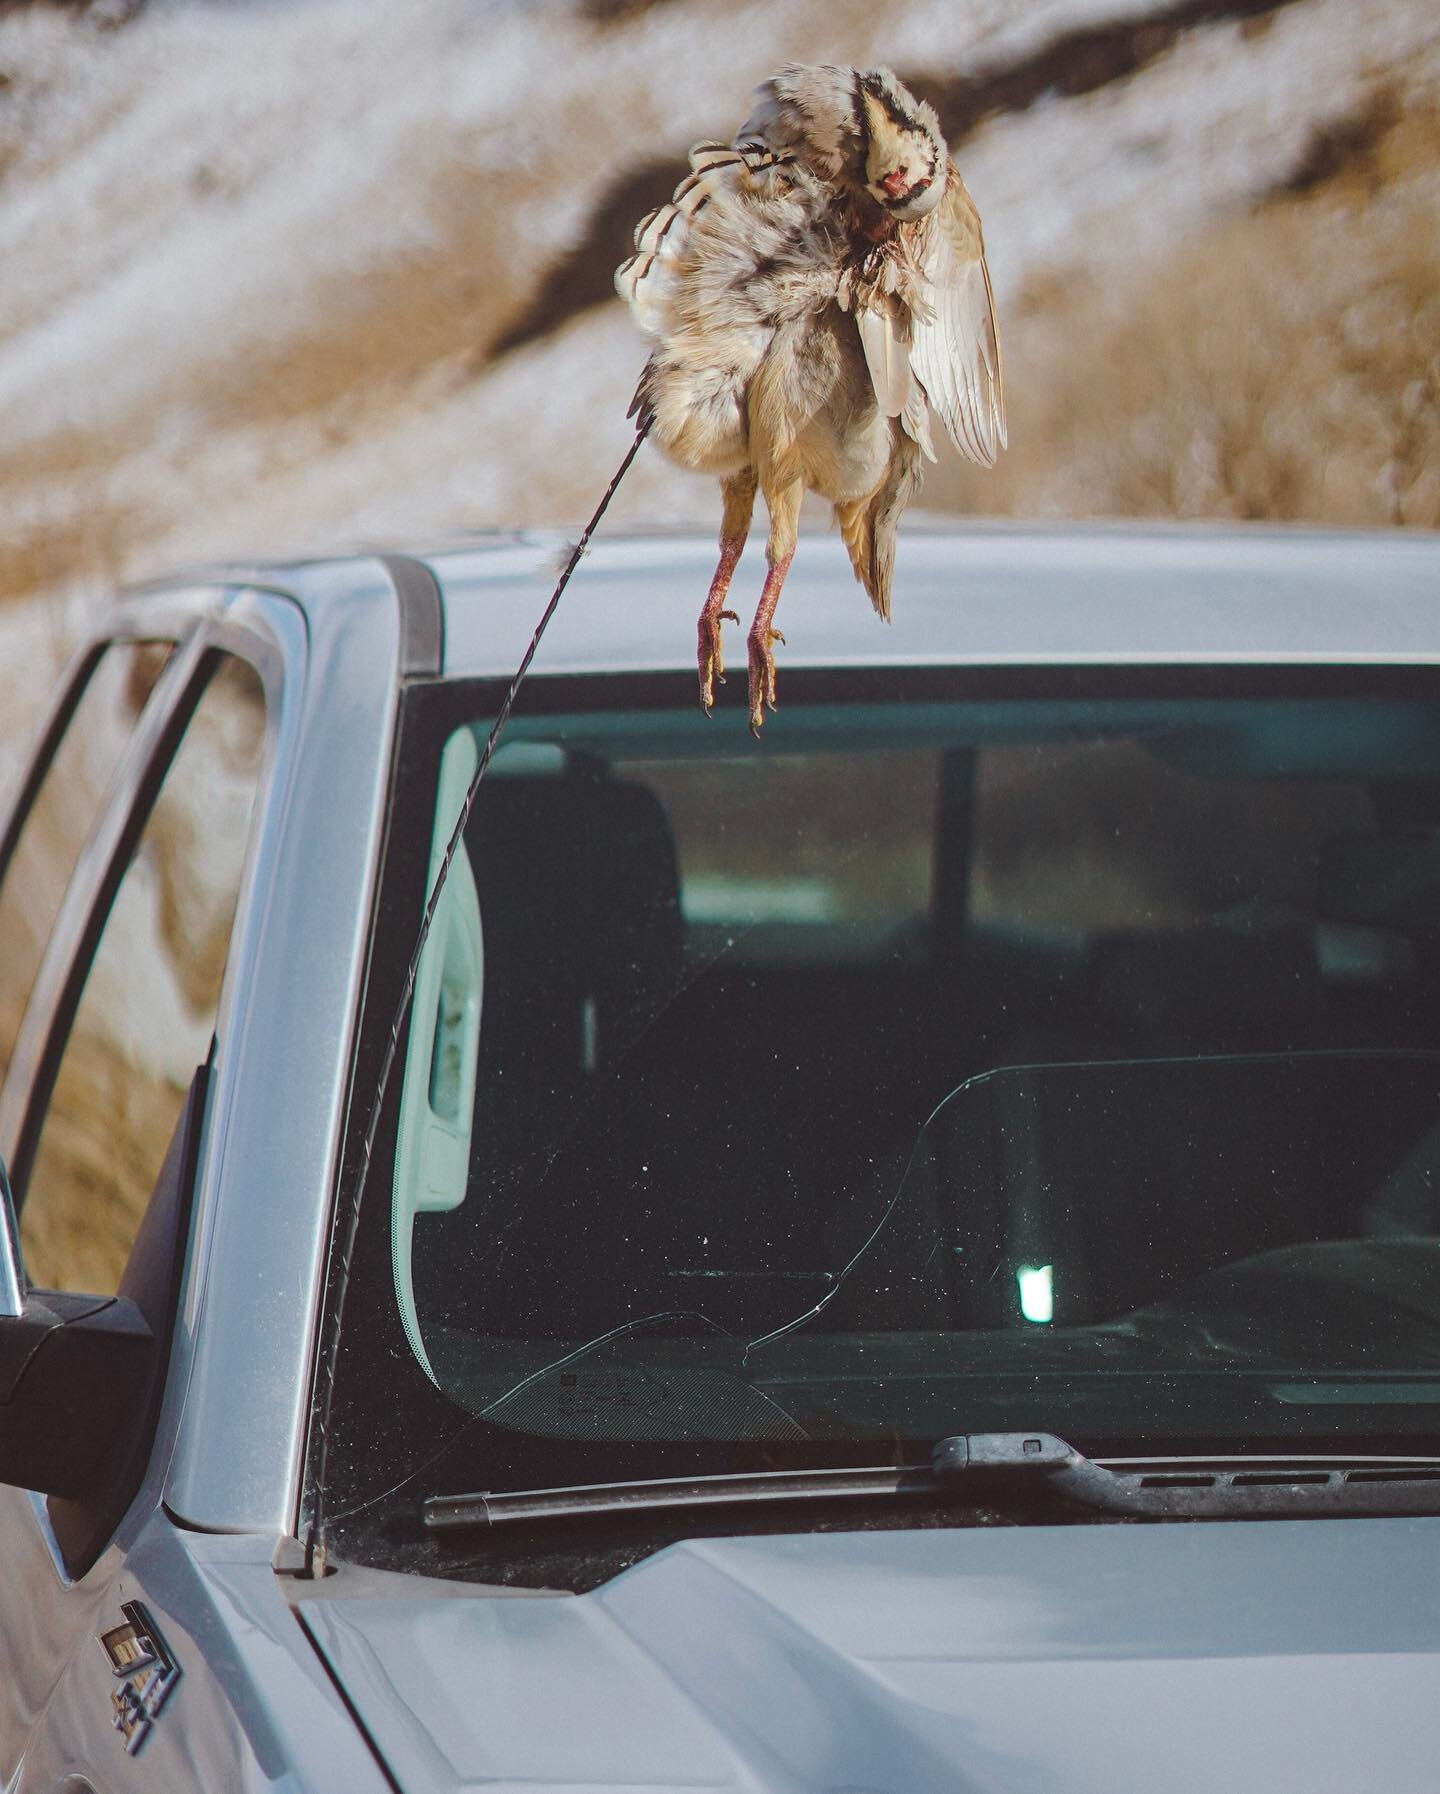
818	290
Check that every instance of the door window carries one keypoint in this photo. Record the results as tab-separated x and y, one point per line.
33	880
148	1006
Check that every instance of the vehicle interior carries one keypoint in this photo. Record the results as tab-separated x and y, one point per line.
1019	1019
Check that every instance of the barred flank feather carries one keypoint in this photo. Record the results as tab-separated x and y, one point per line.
660	236
642	405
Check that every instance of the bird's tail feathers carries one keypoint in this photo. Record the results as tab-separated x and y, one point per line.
870	527
854	525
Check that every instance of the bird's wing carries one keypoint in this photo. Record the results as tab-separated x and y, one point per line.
915	419
887	355
806	112
955	341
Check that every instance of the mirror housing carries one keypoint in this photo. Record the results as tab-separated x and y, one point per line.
82	1378
73	1370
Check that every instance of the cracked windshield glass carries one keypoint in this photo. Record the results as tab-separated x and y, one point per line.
1016	1062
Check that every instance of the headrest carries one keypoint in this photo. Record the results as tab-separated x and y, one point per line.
579	895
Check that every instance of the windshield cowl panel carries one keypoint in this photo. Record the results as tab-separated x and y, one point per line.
1054	1062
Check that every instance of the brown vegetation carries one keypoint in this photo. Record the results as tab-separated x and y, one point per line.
1284	364
1277	361
1077	61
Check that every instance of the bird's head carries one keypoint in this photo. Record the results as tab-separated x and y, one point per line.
905	156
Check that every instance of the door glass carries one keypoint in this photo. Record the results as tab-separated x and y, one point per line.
148	1008
34	880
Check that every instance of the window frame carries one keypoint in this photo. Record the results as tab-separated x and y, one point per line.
55	731
211	664
431	709
200	641
163	620
75	682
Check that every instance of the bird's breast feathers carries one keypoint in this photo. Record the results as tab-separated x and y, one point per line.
809	208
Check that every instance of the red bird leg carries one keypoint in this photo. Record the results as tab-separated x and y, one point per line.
739	495
762	641
711	653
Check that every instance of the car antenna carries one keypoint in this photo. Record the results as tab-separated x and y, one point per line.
329	1357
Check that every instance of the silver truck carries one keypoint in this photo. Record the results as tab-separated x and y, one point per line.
902	1256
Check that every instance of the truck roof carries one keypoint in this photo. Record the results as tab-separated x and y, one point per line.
977	594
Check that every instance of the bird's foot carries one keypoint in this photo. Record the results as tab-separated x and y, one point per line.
712	657
762	675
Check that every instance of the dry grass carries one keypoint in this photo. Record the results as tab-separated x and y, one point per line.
94	541
105	1138
1285	364
1279	363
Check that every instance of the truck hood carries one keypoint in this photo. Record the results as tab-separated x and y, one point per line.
1034	1660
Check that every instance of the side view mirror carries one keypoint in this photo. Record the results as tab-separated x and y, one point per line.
73	1370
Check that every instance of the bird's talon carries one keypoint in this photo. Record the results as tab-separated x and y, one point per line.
712	658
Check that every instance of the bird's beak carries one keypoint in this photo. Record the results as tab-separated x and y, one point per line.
896	182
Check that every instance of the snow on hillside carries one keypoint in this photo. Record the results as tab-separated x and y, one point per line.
256	256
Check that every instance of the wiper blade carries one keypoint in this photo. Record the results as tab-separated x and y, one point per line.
1183	1487
677	1492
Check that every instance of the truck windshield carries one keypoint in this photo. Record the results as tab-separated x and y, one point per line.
962	1057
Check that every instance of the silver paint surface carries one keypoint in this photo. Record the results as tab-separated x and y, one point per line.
248	1319
253	1710
1088	1659
975	595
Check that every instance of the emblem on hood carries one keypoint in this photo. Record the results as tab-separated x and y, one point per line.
137	1655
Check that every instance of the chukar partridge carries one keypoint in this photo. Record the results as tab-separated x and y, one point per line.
818	292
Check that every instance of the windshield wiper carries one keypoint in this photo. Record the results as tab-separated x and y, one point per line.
766	1486
984	1465
1197	1487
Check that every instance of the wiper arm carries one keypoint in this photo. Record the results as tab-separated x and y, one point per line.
1196	1487
990	1464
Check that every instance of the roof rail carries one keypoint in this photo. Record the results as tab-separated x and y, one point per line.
422	618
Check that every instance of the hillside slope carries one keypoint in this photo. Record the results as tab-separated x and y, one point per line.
338	271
